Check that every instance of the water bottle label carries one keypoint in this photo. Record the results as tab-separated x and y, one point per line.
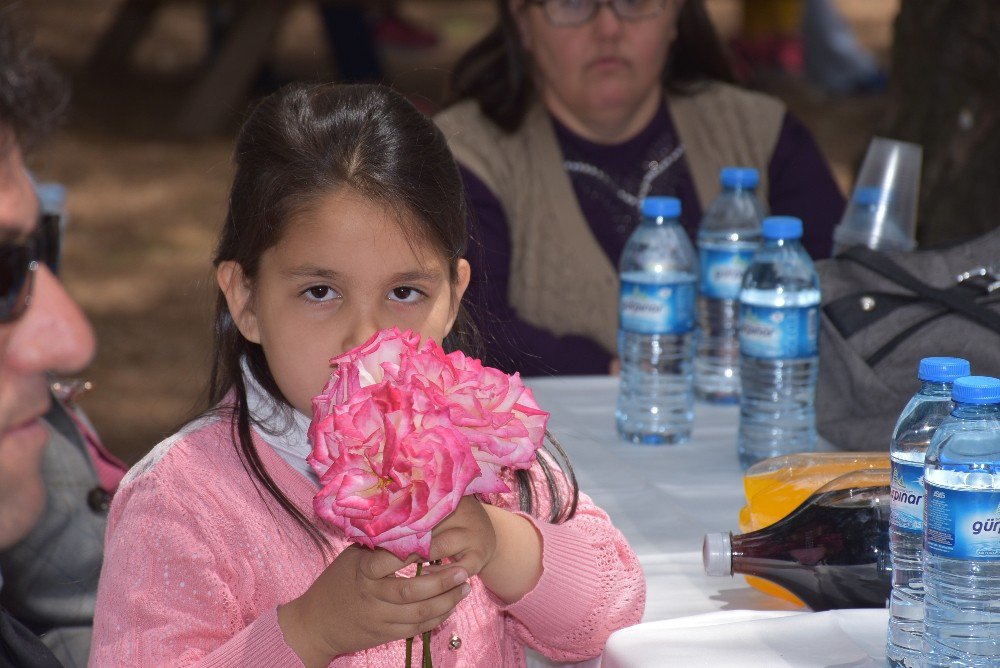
657	308
771	332
963	524
722	269
906	510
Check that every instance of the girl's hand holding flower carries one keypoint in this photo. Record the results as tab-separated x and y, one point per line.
466	537
358	602
502	548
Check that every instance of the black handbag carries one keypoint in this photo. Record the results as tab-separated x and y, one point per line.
881	313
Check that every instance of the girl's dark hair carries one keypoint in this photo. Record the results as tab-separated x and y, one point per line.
496	71
298	145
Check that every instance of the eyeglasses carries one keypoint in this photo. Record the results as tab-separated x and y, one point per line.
562	13
18	262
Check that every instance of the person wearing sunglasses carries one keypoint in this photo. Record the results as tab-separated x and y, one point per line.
51	573
42	330
568	113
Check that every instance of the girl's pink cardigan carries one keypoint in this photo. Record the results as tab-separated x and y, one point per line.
197	562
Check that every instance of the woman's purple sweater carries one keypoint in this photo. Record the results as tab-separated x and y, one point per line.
800	185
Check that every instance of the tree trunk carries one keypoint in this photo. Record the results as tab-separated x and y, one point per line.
945	95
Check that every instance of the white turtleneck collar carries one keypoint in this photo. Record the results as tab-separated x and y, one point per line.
281	426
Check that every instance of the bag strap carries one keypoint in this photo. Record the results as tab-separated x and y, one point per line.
882	265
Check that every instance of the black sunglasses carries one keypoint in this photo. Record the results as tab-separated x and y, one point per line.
19	260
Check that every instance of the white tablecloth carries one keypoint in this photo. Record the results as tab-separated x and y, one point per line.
754	638
665	499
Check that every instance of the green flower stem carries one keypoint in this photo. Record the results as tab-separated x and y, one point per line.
409	641
427	663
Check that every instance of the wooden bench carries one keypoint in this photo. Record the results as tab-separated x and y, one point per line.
222	87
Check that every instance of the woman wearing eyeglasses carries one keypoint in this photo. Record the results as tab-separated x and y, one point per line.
569	113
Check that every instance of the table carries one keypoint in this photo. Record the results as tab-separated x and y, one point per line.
665	499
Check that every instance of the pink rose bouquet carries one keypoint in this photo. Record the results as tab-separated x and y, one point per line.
403	430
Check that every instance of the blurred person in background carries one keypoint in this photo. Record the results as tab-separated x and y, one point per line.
349	31
770	38
807	37
355	33
42	331
568	115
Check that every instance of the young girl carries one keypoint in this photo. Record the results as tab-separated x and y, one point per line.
346	217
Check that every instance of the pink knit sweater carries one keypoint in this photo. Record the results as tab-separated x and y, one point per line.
196	567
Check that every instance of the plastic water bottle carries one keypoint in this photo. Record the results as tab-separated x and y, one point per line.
779	330
656	328
916	425
52	202
962	530
52	197
727	238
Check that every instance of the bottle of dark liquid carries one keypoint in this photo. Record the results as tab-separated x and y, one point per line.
832	551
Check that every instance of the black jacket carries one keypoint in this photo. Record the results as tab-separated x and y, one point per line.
20	648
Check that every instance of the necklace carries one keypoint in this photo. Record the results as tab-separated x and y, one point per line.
653	170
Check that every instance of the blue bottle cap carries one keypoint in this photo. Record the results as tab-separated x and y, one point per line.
739	177
661	207
782	227
976	390
868	195
51	196
943	369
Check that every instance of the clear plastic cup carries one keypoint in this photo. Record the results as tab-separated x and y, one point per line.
882	213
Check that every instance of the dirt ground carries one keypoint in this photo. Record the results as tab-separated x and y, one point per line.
144	207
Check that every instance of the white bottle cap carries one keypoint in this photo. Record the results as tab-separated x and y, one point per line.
717	553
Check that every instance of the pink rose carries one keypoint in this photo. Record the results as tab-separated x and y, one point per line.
495	411
370	362
393	481
324	444
356	369
348	426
